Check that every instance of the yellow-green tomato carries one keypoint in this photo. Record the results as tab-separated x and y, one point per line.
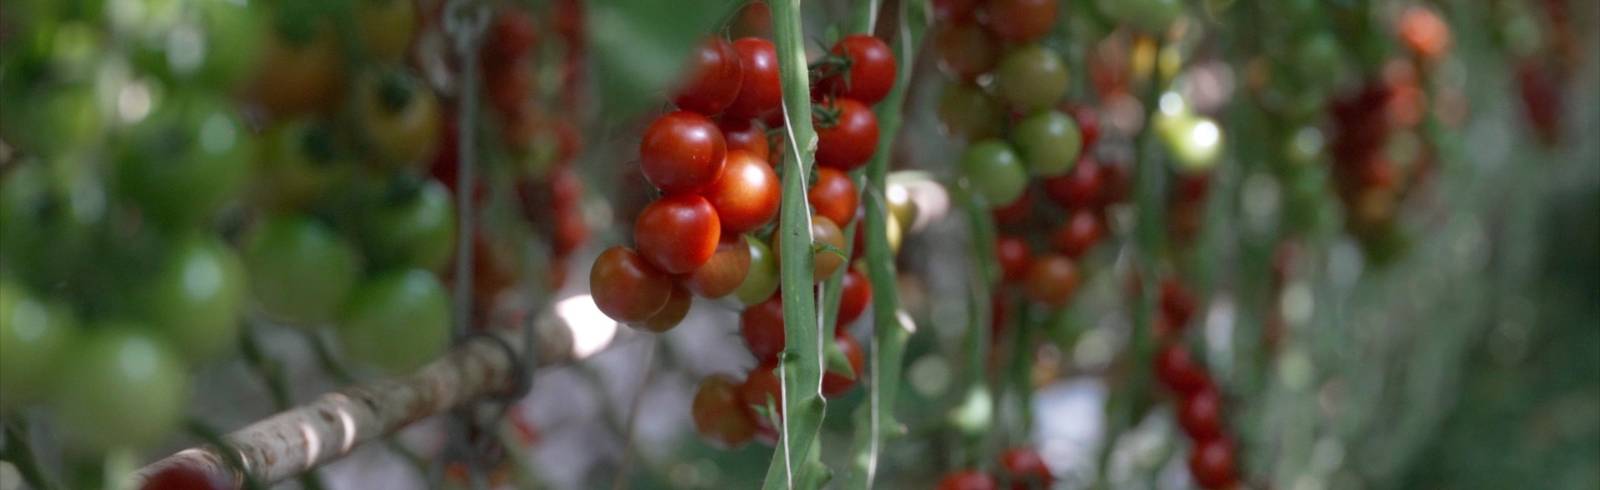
396	321
762	280
121	387
413	225
300	271
299	162
195	299
995	172
1048	142
33	335
186	160
966	112
1031	78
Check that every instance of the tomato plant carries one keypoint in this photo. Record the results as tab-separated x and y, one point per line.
1025	468
856	293
747	135
965	50
399	117
1211	461
867	69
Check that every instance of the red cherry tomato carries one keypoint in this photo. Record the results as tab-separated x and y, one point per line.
1079	234
678	233
715	76
747	135
672	313
512	36
954	10
1192	188
1016	213
1211	462
761	326
182	477
835	384
1020	21
719	415
855	292
1079	188
747	194
626	287
753	20
965	50
1026	468
848	139
761	91
681	152
1200	414
1177	370
1114	183
1052	280
762	388
724	272
1088	124
868	73
834	195
1013	253
968	480
1177	303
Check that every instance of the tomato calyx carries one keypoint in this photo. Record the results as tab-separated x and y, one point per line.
826	113
395	91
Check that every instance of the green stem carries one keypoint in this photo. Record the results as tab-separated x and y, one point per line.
975	417
20	454
1020	372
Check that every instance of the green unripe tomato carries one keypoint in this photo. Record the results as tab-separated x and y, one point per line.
762	280
1048	142
966	112
196	298
47	225
414	226
300	162
33	335
121	387
396	321
995	172
186	160
1031	78
300	271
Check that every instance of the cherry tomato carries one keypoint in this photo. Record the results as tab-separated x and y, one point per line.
835	384
33	337
299	163
965	111
1020	21
954	10
725	271
1200	414
761	325
120	388
672	313
747	135
512	35
386	27
414	225
678	233
762	280
753	20
299	270
714	78
300	72
1080	188
1211	462
1079	234
1013	255
1015	214
399	117
1031	78
182	477
828	241
1151	16
762	388
868	71
833	195
1178	304
233	34
196	298
626	287
1114	183
682	152
1052	280
1088	121
1177	370
396	321
186	161
995	171
761	90
719	415
1424	33
847	134
855	292
746	196
965	50
968	480
1025	468
1049	142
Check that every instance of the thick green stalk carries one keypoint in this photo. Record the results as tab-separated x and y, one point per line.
801	373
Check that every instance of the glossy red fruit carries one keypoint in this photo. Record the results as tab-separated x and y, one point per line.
762	388
1012	252
854	295
833	195
672	313
747	135
626	287
724	272
681	152
1176	370
182	477
719	415
1025	469
868	69
753	20
761	91
968	480
511	36
1211	463
1079	234
965	50
1016	213
747	195
847	134
761	326
835	384
1079	189
678	233
1052	280
1200	414
1020	21
715	76
1177	304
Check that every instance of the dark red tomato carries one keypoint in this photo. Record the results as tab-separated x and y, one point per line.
678	233
1200	414
183	477
1177	303
762	388
834	195
570	232
855	292
1192	188
835	384
968	480
724	272
714	79
1114	183
1176	369
1052	280
1088	124
867	69
719	415
747	135
1012	252
1211	462
753	20
761	91
847	134
512	35
1078	189
1079	234
681	152
954	10
672	313
510	88
627	288
761	326
1020	21
747	194
999	314
965	50
1025	468
1015	214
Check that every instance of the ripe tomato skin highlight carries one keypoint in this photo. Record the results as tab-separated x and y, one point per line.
626	287
851	140
1176	370
761	90
968	480
762	328
672	313
677	233
1026	468
682	152
835	384
1013	253
833	194
870	73
724	272
1200	414
747	135
1052	280
1080	188
1211	463
715	76
1079	234
855	293
1020	21
719	415
747	194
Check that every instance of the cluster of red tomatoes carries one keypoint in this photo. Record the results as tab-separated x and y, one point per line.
1021	468
1199	402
